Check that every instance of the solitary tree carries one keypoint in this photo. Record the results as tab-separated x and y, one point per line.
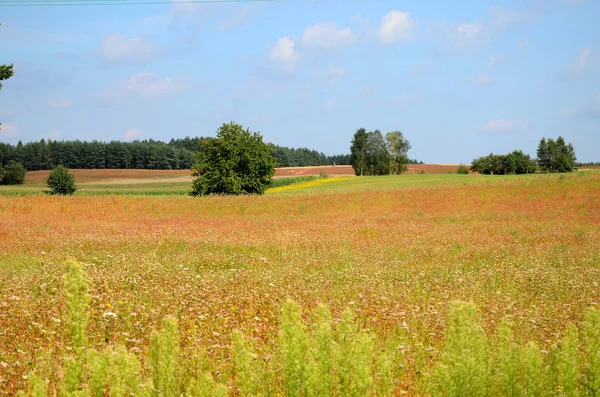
358	151
236	162
61	181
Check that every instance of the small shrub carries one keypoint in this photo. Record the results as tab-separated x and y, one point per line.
61	181
12	174
462	170
323	175
422	172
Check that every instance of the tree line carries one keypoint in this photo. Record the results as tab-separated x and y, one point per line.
552	156
147	154
177	154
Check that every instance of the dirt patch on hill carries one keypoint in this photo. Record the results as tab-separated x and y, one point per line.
96	175
166	176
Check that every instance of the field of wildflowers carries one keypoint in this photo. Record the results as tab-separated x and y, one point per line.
523	251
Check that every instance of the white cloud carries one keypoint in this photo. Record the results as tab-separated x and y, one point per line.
580	63
118	49
146	85
483	80
327	36
395	26
60	103
505	125
131	133
9	130
504	18
467	34
284	55
330	104
151	85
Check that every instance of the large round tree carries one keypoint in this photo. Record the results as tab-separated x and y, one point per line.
237	161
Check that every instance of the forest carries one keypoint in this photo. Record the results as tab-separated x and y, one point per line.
177	154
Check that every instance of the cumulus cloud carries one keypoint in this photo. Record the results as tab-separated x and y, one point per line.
284	55
505	125
327	36
395	26
146	85
131	133
60	103
9	130
119	49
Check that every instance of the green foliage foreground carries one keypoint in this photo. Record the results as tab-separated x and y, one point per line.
325	358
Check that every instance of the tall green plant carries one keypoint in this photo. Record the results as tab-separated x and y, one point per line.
591	338
463	368
164	353
294	346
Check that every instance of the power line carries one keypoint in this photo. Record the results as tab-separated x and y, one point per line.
67	3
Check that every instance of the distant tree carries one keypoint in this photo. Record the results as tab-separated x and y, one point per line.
236	162
398	147
374	154
543	155
12	174
462	170
556	156
488	165
61	181
378	156
515	162
518	162
358	152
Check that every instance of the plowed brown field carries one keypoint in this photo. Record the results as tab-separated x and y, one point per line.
158	176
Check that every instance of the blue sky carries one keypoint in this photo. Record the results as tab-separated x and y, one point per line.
459	80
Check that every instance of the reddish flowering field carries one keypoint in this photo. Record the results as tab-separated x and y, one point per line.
524	247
